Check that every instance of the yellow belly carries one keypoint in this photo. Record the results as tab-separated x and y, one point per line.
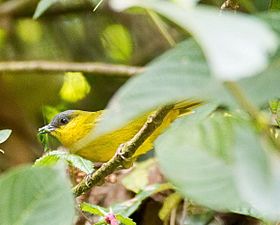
103	148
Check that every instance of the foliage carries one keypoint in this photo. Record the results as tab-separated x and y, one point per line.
217	42
35	196
125	209
75	87
117	41
222	157
51	158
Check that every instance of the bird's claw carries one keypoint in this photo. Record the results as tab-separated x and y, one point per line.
88	179
120	153
127	162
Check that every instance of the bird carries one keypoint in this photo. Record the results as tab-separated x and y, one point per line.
72	128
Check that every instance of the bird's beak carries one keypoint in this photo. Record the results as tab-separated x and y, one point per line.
46	129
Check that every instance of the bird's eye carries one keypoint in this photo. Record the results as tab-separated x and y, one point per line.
63	120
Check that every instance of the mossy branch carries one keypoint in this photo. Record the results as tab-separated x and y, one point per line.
86	67
124	152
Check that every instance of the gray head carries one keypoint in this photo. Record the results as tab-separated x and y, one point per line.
59	120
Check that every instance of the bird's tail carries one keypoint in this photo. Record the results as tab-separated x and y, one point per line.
185	107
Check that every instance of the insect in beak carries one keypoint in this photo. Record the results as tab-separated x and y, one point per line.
46	129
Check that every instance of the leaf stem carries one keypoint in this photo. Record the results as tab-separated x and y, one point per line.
158	22
242	100
253	112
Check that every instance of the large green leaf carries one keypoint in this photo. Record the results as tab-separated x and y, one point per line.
180	74
265	86
273	19
196	158
257	172
235	45
37	196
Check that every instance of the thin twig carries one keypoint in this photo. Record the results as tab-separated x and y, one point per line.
184	212
242	100
173	216
86	67
210	220
159	24
126	151
252	110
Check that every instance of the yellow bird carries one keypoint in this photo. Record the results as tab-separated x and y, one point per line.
72	127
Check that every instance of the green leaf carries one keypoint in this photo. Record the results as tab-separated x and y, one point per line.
125	220
117	43
128	207
179	74
101	222
274	106
42	7
123	210
273	19
196	157
274	4
257	172
53	157
137	179
29	31
38	196
93	209
44	140
169	204
3	37
265	86
75	87
4	135
231	56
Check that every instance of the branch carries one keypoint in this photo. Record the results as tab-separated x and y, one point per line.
124	152
86	67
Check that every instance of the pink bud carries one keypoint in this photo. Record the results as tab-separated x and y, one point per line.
111	219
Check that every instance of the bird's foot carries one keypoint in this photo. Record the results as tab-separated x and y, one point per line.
126	162
88	180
